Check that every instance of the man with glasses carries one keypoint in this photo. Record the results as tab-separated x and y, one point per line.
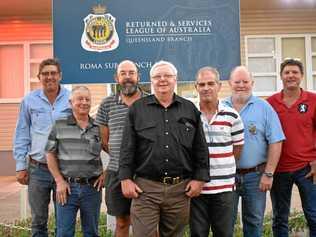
164	157
38	111
297	112
111	119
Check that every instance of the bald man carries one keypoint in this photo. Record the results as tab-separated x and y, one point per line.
111	119
261	151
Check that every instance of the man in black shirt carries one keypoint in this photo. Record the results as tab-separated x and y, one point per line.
164	157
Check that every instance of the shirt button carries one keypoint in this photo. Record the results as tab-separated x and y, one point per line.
166	120
167	133
166	146
166	173
166	110
166	160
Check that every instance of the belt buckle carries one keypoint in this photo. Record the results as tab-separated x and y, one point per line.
167	180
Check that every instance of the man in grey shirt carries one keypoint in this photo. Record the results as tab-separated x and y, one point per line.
73	158
111	118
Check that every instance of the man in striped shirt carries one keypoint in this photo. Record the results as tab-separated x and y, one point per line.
111	119
224	133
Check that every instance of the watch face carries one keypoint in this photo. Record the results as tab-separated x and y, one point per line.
268	174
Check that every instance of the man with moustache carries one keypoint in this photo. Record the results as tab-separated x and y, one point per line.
164	157
297	112
111	119
73	158
224	134
38	111
260	154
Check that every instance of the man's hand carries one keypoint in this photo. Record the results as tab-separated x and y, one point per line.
99	183
63	189
130	189
265	183
194	188
22	176
312	173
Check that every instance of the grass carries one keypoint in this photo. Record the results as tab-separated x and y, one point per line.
21	228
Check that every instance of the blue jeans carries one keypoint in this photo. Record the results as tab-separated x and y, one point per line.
253	203
41	184
281	199
86	198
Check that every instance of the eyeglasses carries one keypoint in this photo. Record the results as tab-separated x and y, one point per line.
159	77
52	73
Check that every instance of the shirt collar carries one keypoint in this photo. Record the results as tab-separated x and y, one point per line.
62	91
72	121
153	100
118	96
303	96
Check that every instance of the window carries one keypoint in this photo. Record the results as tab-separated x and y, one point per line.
265	53
19	66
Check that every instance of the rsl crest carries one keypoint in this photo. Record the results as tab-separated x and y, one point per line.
99	33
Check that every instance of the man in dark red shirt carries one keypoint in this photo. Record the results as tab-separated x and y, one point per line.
296	109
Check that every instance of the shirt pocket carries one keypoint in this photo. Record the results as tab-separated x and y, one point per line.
94	145
41	119
146	132
186	131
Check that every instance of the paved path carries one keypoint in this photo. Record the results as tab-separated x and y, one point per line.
10	192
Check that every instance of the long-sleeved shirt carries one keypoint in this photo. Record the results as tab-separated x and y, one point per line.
34	123
159	142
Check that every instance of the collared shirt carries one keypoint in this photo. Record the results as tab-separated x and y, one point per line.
36	117
112	113
299	126
160	141
262	127
222	133
77	149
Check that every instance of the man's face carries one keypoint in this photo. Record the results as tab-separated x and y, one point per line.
207	86
50	78
163	80
127	78
81	102
291	77
241	84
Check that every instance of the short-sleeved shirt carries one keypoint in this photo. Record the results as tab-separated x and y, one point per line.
262	127
77	149
299	126
222	133
112	113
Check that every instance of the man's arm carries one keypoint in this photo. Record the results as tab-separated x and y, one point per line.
237	149
22	143
274	152
104	133
127	153
63	188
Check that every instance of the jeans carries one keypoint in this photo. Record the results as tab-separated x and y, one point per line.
253	203
212	210
86	198
41	184
281	200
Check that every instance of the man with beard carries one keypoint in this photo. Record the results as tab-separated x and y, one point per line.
111	119
260	154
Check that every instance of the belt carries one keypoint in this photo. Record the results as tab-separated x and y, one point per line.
81	180
35	162
259	167
166	179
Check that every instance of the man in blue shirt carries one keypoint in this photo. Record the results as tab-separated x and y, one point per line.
38	111
261	151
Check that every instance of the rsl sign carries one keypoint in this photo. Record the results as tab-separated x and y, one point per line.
99	32
91	38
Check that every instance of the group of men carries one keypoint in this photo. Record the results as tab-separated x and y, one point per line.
171	162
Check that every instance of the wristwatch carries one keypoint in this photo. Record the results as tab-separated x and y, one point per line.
268	174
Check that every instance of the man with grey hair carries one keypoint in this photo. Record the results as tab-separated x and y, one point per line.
164	157
73	158
260	154
224	134
111	119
